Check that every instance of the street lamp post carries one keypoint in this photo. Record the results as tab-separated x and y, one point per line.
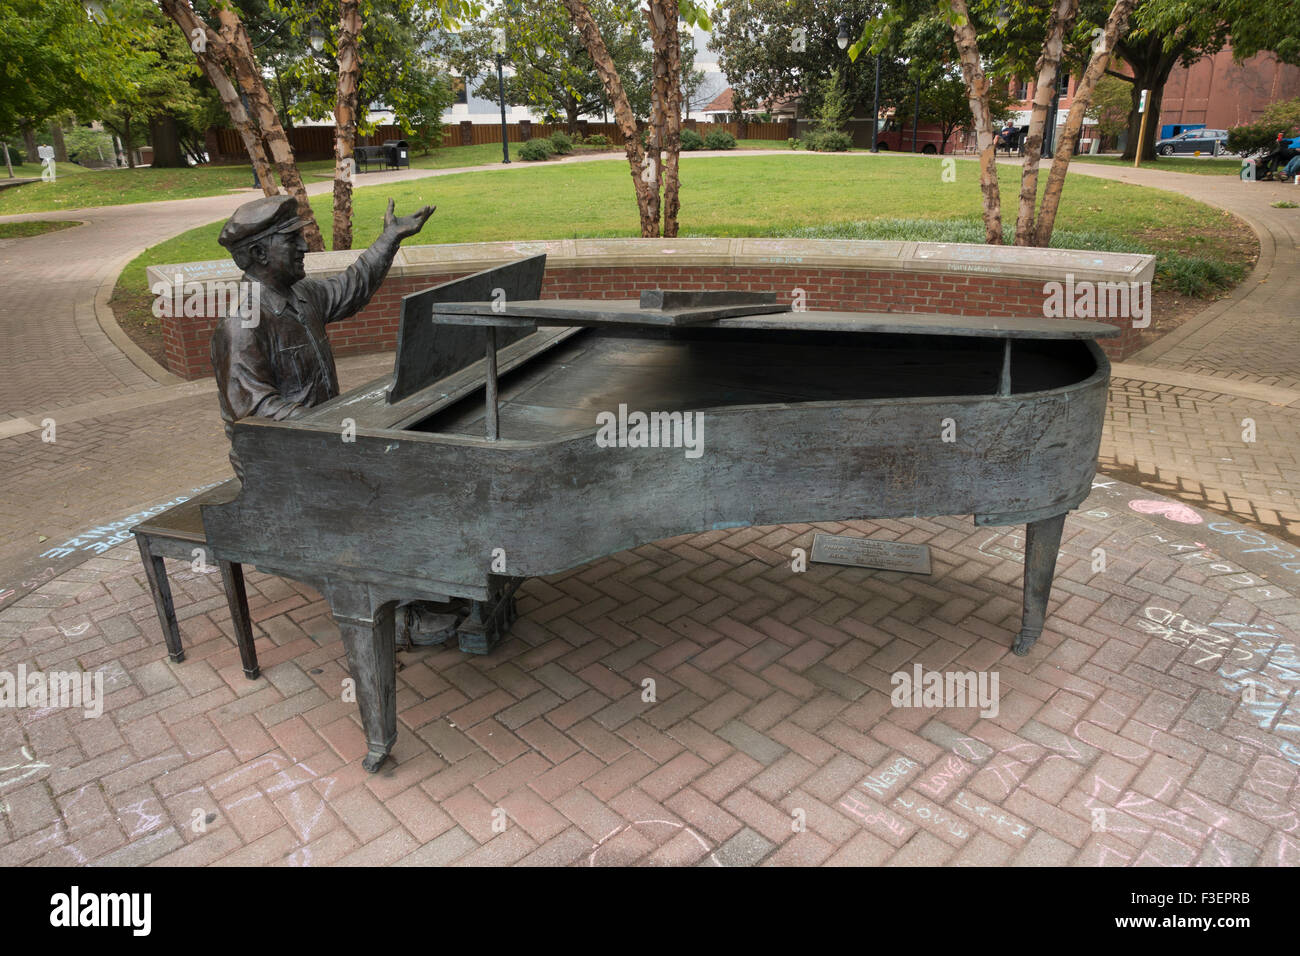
501	88
916	113
1049	134
875	109
842	41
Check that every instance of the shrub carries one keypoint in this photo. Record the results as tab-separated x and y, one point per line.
792	143
536	149
692	140
597	139
561	142
827	141
1254	138
1282	117
719	139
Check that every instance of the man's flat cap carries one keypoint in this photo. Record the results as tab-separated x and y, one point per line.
259	219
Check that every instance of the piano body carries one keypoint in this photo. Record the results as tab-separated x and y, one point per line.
477	464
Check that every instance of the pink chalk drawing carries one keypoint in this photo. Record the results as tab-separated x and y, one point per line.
1169	509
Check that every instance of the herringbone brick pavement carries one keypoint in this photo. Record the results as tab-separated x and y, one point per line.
1188	442
1157	721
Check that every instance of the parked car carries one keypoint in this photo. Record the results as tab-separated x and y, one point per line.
1211	141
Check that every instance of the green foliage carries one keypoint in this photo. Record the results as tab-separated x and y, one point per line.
691	140
828	141
828	136
597	139
161	78
550	69
1112	100
719	139
403	48
54	58
1281	118
561	142
536	150
834	108
1197	275
760	46
792	143
1285	204
87	144
1253	138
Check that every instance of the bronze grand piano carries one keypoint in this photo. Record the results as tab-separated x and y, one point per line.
478	463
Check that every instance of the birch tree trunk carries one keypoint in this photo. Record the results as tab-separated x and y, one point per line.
977	89
345	121
645	170
239	50
662	16
1116	24
185	17
1049	62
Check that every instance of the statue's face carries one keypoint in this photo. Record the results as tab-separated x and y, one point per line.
278	259
284	256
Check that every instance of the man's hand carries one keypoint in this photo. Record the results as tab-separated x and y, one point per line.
404	226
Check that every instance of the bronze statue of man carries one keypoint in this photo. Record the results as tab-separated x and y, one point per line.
273	358
277	362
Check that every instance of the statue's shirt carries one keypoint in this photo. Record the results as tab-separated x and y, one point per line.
278	362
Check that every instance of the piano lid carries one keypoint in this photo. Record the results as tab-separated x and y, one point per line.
666	309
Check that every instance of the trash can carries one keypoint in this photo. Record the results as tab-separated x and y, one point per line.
398	153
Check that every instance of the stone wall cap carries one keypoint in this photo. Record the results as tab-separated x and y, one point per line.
1007	262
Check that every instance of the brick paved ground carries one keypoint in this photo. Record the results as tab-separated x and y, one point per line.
1126	737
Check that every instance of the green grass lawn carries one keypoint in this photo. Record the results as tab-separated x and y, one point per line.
76	187
799	194
1209	166
35	227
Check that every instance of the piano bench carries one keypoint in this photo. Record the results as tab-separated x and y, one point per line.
178	533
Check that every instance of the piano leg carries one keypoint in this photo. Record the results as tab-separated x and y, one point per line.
373	665
1042	542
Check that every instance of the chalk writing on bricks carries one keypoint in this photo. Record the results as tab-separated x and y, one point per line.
26	767
882	782
101	538
1172	510
1257	665
991	814
1284	558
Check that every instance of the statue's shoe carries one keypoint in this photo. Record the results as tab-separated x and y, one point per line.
426	624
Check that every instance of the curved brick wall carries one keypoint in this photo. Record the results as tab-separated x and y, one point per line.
851	275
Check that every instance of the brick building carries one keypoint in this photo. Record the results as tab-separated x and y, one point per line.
1214	92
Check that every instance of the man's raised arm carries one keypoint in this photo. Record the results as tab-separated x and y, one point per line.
346	294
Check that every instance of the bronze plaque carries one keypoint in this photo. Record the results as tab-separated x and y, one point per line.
871	553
